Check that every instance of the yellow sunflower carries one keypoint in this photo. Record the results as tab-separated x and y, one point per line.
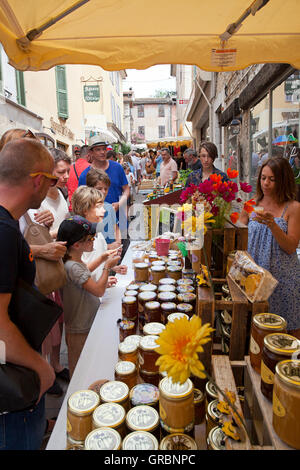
179	345
193	223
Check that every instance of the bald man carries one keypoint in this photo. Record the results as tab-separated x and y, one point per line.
26	169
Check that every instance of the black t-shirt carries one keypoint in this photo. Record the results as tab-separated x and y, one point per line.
180	161
16	258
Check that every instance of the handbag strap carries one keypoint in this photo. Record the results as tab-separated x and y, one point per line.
28	219
74	166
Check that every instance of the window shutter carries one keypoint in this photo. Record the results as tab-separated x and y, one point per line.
61	91
20	88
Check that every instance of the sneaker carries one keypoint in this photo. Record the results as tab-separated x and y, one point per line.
55	389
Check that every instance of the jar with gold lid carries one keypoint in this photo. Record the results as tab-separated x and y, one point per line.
173	262
111	415
144	394
143	297
159	262
131	292
126	328
185	282
129	308
166	288
187	298
143	418
188	274
175	272
277	347
286	402
166	309
186	308
141	272
81	405
213	416
211	392
152	312
185	289
147	354
126	372
149	287
134	286
176	316
230	258
166	297
152	378
103	439
74	445
153	328
167	281
262	325
140	440
199	404
216	439
176	406
115	391
157	273
133	339
178	441
128	351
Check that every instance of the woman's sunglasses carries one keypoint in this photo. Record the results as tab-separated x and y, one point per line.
47	175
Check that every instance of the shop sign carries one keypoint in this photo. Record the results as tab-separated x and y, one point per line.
91	93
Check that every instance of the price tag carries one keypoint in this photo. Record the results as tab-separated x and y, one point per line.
223	57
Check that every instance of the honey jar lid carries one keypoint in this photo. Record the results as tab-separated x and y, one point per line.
269	321
186	297
173	262
114	391
152	305
183	282
128	299
166	281
127	324
127	347
148	343
83	402
140	265
211	390
174	269
158	262
289	372
147	295
198	396
226	317
158	268
103	438
175	390
213	412
281	343
168	306
133	339
109	415
177	315
216	439
178	441
166	296
144	394
225	289
125	368
142	418
134	286
140	440
153	328
166	288
185	288
149	287
184	307
131	293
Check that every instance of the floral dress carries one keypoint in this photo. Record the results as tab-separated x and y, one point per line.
266	252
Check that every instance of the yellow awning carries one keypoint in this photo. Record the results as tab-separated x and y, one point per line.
120	34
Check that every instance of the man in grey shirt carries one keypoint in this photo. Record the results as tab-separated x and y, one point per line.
192	159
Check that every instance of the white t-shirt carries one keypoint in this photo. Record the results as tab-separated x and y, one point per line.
136	164
166	170
100	246
58	207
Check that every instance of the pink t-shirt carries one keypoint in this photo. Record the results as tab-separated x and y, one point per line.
166	170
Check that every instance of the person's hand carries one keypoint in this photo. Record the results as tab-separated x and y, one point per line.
47	377
116	206
114	245
44	217
111	262
53	251
108	253
265	218
112	281
121	269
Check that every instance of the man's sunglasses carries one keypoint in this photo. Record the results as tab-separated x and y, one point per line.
47	175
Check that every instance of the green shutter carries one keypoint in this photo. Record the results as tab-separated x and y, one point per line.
20	88
61	91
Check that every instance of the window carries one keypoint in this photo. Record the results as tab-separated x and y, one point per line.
20	88
141	110
111	76
161	110
113	108
161	131
117	81
61	91
141	130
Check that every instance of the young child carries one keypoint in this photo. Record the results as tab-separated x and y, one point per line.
131	181
81	292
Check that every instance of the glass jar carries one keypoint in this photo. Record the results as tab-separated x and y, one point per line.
175	272
131	293
110	415
230	258
226	317
128	351
152	378
187	298
173	262
157	273
95	386
115	391
103	439
153	328
186	308
176	406
149	287
144	394
74	445
188	274
141	272
166	297
167	281
158	262
133	339
126	372
147	354
216	439
140	440
81	406
176	316
185	282
166	288
129	308
211	393
178	441
277	347
199	404
263	324
134	286
185	289
143	297
166	309
286	402
213	416
152	312
143	418
126	328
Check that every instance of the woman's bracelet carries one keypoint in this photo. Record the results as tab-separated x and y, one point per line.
106	269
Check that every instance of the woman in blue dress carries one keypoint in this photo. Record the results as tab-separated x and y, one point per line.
273	237
208	152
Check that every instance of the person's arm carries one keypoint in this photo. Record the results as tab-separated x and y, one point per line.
98	288
52	251
101	259
244	217
44	217
123	198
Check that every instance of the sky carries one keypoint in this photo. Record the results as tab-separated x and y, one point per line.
146	82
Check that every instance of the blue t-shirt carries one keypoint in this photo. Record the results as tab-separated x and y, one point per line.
108	225
158	162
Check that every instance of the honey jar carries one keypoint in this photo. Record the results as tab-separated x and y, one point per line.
211	393
173	262
176	316
147	354
149	287
81	406
187	298
186	308
216	439
141	272
176	406
188	274
152	312
133	339
134	286
185	282
126	328
212	417
74	445
140	440
157	273
128	351
230	259
131	293
143	418
111	415
115	391
262	325
152	378
175	272
185	289
153	328
97	385
178	441
144	394
277	347
166	297
167	281
143	297
159	262
199	404
126	372
103	439
166	288
286	402
166	309
226	317
129	308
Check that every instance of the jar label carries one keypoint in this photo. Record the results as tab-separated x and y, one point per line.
254	347
278	408
267	375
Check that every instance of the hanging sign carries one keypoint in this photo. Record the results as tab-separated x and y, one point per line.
223	57
91	93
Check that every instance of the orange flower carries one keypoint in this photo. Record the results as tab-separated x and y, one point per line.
215	178
248	206
232	173
234	217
